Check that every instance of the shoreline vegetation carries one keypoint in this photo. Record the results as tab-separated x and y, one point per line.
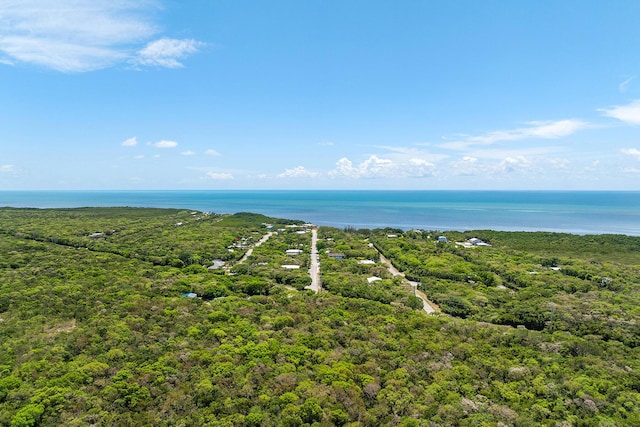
576	212
149	316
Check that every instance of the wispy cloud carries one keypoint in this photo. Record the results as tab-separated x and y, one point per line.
7	169
559	163
634	152
622	87
629	113
188	153
86	35
131	142
500	154
219	176
534	130
326	143
166	52
297	172
211	152
164	144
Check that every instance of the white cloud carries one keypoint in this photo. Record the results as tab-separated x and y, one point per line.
219	176
559	163
629	113
211	152
84	35
297	172
537	129
631	170
164	144
166	52
514	164
507	162
131	142
405	154
7	169
371	167
625	84
593	166
467	166
376	167
634	152
188	153
139	156
326	143
500	154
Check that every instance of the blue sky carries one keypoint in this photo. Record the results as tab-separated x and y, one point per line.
234	94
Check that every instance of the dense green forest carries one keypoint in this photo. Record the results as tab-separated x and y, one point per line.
96	327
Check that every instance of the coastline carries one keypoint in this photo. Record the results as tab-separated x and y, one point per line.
575	212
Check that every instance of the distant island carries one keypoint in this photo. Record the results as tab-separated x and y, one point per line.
145	316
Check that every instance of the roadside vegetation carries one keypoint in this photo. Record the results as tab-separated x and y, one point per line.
585	285
97	328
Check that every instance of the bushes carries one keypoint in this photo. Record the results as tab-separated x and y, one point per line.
27	416
96	338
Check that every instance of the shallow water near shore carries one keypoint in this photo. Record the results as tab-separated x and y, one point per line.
578	212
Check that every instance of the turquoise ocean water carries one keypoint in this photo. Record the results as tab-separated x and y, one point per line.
573	212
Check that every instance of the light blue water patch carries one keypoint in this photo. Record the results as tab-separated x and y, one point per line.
563	211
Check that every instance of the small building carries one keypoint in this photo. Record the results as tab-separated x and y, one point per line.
293	252
443	239
217	263
477	242
373	279
366	262
336	256
290	267
392	236
96	235
190	295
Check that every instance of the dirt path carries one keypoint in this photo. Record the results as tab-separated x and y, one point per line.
428	306
258	243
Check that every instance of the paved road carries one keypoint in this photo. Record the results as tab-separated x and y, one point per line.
428	306
314	270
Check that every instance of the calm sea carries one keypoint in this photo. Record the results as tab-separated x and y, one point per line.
573	212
